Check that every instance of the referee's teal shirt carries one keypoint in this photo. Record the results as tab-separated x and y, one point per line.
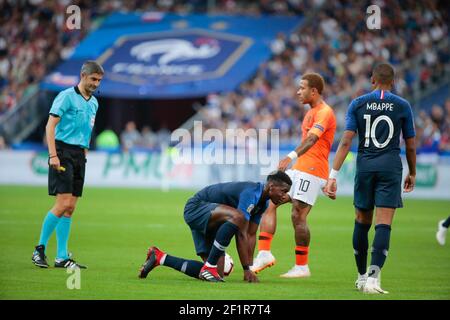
77	117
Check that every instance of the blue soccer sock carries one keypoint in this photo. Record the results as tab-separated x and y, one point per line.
380	248
446	223
223	238
48	226
361	245
189	267
62	235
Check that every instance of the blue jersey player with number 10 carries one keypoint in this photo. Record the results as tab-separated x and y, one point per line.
379	118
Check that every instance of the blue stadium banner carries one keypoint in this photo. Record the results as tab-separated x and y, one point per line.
158	55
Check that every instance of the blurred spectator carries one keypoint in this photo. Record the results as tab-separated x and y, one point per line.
148	138
32	39
163	135
2	143
433	129
107	140
130	137
444	144
437	115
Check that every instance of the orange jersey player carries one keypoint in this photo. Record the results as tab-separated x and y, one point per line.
321	122
309	175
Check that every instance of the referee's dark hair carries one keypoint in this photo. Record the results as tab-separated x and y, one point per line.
279	176
91	66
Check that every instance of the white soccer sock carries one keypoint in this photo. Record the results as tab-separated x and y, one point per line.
161	262
210	265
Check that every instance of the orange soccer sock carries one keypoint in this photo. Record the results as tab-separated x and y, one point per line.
301	255
264	241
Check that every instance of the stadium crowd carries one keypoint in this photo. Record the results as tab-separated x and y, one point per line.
34	37
335	42
344	53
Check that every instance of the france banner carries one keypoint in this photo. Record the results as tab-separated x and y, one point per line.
173	56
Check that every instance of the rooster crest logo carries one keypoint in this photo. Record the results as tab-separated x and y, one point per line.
171	50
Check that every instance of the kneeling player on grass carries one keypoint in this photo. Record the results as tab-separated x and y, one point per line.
215	214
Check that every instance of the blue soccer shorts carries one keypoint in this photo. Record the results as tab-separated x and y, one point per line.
197	214
381	189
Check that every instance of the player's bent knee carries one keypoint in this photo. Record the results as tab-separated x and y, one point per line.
237	219
230	214
221	214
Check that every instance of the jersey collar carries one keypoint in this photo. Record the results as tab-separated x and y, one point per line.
381	94
79	92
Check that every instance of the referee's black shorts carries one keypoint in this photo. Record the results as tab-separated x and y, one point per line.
73	159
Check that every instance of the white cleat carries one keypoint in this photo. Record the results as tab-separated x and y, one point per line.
361	281
263	260
372	286
441	233
297	272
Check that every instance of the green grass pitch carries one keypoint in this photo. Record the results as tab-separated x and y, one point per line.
113	228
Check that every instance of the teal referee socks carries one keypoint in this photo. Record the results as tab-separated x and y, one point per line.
62	236
48	226
62	226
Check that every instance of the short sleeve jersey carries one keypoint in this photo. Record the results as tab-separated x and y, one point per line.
77	117
244	196
380	118
320	121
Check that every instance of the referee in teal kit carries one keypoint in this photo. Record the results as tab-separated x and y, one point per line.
68	131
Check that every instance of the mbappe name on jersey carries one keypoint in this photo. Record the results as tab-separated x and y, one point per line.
380	106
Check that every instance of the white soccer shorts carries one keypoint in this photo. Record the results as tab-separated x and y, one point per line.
305	187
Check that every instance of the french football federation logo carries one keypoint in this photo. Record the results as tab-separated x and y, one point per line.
173	50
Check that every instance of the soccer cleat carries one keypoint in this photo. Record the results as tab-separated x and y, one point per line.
68	263
39	258
263	260
372	286
297	272
361	281
210	274
441	233
154	256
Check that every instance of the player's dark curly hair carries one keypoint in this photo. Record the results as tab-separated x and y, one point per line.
279	176
383	73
